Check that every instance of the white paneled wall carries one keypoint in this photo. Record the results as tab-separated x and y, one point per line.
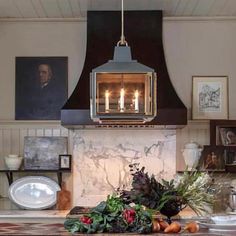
12	135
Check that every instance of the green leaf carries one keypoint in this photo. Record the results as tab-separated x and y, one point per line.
100	207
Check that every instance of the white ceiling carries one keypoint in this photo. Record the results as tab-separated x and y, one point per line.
78	8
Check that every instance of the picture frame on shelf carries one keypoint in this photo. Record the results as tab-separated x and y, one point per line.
212	158
223	133
209	97
227	136
230	157
41	153
65	161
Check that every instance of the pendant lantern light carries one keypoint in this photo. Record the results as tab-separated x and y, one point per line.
122	90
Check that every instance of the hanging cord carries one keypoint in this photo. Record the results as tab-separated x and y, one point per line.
122	37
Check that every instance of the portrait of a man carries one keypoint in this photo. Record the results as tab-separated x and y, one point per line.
41	87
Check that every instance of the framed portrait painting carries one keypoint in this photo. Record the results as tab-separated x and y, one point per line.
212	158
210	97
41	87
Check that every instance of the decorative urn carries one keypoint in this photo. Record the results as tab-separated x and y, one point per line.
191	153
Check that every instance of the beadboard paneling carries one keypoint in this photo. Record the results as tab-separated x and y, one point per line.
12	135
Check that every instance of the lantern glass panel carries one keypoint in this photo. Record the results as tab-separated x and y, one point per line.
123	93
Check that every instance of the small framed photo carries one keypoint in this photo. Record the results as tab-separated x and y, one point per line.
65	162
212	158
210	97
230	157
223	132
227	136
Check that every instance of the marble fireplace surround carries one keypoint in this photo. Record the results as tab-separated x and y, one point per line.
101	159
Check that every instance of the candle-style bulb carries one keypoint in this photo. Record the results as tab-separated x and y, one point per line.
107	94
136	105
122	100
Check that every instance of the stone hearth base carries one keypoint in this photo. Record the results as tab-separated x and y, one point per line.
43	216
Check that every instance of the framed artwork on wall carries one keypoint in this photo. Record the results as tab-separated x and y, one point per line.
41	87
209	97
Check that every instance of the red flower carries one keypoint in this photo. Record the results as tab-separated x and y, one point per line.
129	215
86	220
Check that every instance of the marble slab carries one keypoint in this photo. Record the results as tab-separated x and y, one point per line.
101	160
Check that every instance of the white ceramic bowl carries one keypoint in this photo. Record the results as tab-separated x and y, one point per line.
224	220
13	155
13	163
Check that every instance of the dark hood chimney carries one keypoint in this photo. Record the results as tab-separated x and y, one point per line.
143	30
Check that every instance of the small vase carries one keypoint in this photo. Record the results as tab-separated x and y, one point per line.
171	208
13	162
191	154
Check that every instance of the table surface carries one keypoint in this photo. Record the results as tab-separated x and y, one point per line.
58	229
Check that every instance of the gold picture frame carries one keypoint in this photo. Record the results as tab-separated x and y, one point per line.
209	97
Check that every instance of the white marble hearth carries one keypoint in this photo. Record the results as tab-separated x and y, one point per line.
42	216
101	160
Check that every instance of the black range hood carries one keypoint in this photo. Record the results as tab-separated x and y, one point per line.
143	31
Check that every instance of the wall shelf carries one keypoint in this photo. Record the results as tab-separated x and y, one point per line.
10	174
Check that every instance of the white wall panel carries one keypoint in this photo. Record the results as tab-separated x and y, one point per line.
15	141
23	133
48	132
39	132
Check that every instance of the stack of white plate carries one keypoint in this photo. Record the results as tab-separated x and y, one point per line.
221	223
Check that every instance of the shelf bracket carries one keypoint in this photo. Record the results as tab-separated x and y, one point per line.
59	178
9	177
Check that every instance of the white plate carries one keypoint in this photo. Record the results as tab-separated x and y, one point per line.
224	219
232	212
219	227
34	192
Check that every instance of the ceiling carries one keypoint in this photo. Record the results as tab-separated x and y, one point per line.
77	8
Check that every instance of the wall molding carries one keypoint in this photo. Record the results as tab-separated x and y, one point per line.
30	123
84	19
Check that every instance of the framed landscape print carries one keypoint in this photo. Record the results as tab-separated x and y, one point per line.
41	153
210	97
41	87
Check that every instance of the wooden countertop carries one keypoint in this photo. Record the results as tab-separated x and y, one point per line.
58	230
50	222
